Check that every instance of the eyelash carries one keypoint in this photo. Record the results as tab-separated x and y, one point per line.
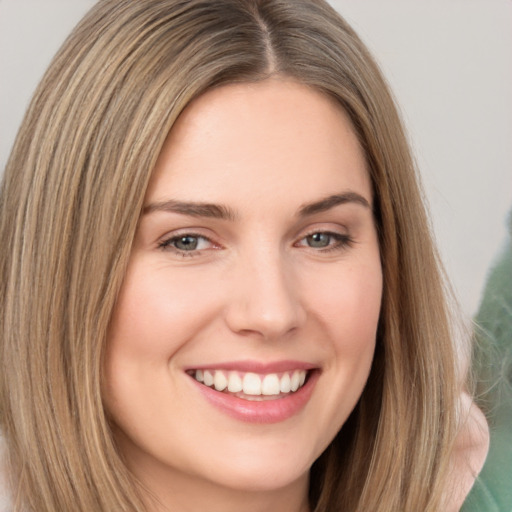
341	242
167	244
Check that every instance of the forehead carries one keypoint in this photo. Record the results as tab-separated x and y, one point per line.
260	140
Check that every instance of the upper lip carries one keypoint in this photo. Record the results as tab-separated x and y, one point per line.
256	366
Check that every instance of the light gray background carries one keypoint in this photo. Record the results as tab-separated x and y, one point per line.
449	63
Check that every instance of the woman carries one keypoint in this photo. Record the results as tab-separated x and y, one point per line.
218	282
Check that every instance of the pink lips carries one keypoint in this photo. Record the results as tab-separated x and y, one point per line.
258	367
264	411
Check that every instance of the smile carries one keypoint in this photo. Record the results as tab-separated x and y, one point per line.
250	385
256	392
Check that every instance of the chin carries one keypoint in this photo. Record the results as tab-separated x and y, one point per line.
262	479
261	472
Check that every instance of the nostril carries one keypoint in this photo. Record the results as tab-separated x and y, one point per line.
268	320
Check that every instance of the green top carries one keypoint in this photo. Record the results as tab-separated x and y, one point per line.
492	491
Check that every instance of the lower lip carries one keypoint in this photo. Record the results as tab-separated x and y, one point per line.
264	411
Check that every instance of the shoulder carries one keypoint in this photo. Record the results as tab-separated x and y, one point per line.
469	453
4	495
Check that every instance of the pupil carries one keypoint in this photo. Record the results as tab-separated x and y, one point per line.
187	243
318	240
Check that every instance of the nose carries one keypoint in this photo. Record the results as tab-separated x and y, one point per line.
264	297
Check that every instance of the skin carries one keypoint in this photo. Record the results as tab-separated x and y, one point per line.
469	453
253	289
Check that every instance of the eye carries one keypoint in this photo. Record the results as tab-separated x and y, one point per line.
325	240
319	240
186	244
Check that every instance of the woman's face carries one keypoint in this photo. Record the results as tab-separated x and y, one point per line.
255	269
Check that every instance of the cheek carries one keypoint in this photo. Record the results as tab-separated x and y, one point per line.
347	309
348	305
155	316
153	319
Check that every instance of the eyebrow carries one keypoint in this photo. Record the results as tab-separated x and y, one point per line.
194	209
331	201
218	211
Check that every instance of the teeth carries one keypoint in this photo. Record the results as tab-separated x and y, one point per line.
252	384
285	383
208	378
219	381
234	383
295	381
270	385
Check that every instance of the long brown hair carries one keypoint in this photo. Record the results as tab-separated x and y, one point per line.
69	206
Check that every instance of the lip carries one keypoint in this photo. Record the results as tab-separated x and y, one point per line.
256	366
264	411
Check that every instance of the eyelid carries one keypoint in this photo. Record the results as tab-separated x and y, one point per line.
165	242
343	240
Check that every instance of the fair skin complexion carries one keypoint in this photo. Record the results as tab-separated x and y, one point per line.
470	451
256	254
